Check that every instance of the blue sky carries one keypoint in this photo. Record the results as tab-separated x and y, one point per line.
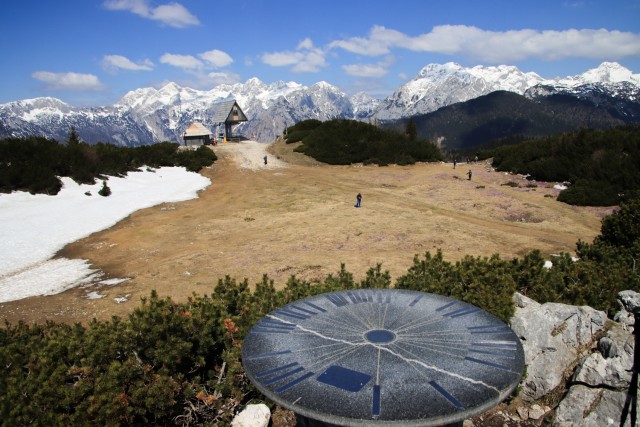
92	52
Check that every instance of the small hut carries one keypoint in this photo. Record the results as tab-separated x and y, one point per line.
197	134
227	114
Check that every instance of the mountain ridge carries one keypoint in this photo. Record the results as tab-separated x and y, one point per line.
149	115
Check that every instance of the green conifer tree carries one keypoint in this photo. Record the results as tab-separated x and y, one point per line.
105	191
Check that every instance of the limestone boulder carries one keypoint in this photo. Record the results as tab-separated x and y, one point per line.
555	338
610	366
585	406
628	302
252	416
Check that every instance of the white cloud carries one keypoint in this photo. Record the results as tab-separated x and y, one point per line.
305	59
379	42
312	61
305	44
365	70
116	62
218	78
68	81
182	61
499	46
216	58
171	14
281	59
378	70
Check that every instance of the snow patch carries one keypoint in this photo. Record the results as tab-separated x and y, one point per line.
35	227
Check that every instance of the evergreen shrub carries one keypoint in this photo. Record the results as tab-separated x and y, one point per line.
35	164
601	165
105	191
342	142
300	130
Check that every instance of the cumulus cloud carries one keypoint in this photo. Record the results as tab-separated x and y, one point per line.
217	58
378	70
499	46
281	59
365	70
305	59
188	62
218	78
68	81
305	44
119	62
171	14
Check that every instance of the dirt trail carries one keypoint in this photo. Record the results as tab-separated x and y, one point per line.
295	216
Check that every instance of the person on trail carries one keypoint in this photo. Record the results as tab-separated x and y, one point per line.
358	200
265	160
454	163
469	174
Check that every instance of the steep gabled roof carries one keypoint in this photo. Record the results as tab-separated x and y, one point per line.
224	112
197	129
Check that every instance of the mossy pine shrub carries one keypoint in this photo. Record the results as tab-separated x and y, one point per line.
622	228
34	164
300	130
342	141
195	160
164	363
603	268
105	191
30	164
602	165
485	282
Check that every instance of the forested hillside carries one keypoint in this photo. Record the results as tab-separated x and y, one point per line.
601	165
466	125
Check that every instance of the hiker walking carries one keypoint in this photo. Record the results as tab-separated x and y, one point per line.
469	174
265	160
358	200
454	163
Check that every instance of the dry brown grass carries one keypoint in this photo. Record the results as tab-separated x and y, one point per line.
300	219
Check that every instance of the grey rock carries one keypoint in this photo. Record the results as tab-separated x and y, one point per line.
611	367
585	406
536	412
252	416
608	348
523	412
555	338
628	301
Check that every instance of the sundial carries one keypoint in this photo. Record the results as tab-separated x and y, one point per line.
383	357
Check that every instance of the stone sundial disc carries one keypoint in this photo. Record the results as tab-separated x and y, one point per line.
383	357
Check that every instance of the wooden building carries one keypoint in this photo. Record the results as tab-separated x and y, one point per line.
197	134
226	115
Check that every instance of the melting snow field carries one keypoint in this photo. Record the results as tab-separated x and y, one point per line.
34	227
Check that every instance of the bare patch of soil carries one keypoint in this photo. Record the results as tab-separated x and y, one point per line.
295	216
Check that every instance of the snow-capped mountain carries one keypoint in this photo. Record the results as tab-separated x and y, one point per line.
439	85
149	115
